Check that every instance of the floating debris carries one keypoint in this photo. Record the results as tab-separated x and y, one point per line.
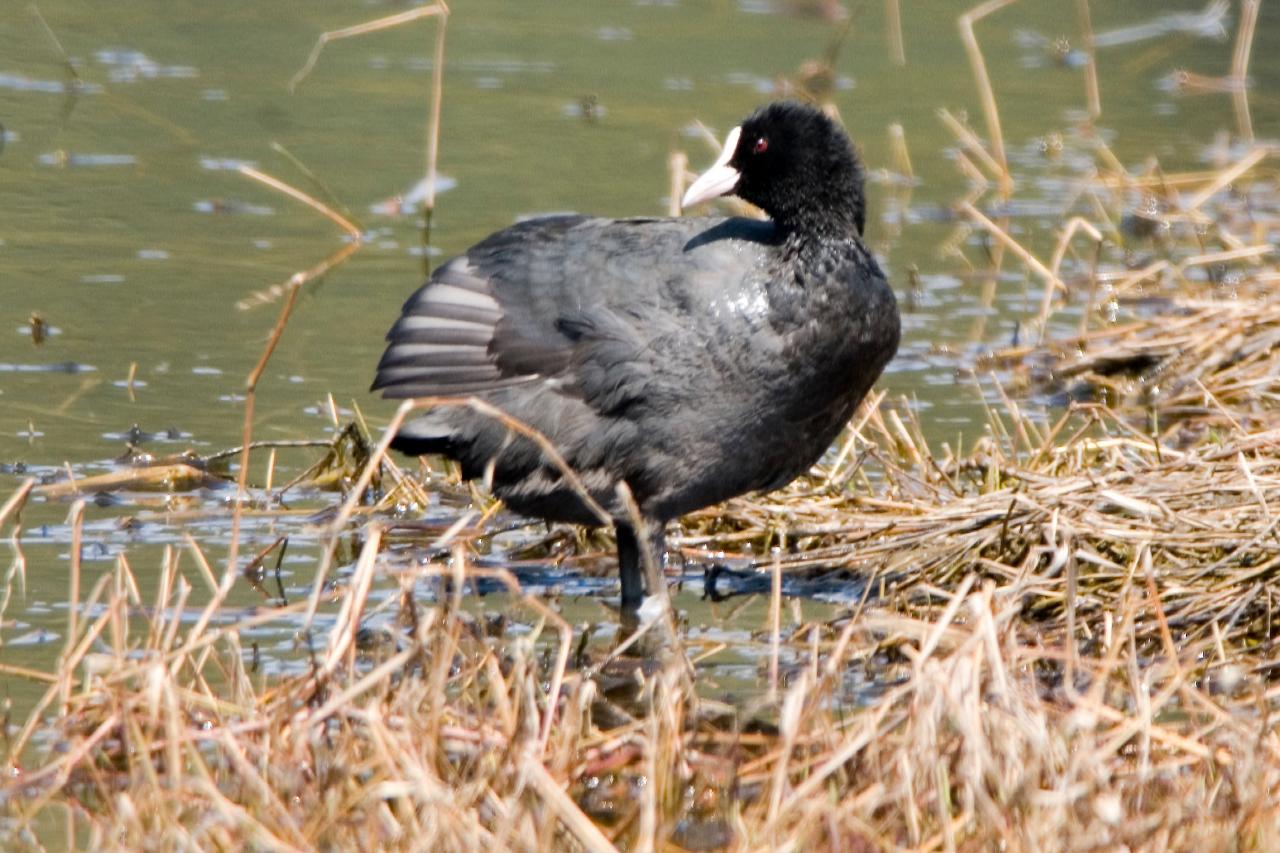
131	66
1210	22
588	108
38	328
232	206
137	435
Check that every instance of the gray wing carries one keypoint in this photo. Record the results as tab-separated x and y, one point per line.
455	336
578	304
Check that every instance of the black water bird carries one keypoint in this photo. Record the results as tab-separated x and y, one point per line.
693	359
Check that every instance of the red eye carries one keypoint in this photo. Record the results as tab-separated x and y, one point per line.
761	146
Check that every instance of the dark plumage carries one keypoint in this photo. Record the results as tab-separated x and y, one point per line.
694	359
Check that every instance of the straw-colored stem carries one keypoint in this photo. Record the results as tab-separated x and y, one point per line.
1092	95
893	17
1240	66
979	66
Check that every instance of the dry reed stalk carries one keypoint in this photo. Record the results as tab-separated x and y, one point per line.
342	639
553	456
439	11
893	16
775	627
13	506
1240	67
677	171
298	195
979	66
1092	94
295	284
1074	224
1050	277
76	520
853	434
231	571
972	143
436	9
900	154
584	831
1223	178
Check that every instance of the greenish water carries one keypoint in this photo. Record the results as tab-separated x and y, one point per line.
123	228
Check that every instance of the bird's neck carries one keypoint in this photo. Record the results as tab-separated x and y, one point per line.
833	212
808	237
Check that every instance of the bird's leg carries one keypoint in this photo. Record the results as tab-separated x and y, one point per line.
630	567
633	562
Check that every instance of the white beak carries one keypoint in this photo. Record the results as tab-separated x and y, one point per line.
720	179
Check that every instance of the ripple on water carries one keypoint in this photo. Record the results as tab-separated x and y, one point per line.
226	164
23	83
131	66
62	159
759	85
137	435
223	205
34	637
27	330
323	410
53	367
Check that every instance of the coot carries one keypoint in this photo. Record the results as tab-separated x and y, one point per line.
694	359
